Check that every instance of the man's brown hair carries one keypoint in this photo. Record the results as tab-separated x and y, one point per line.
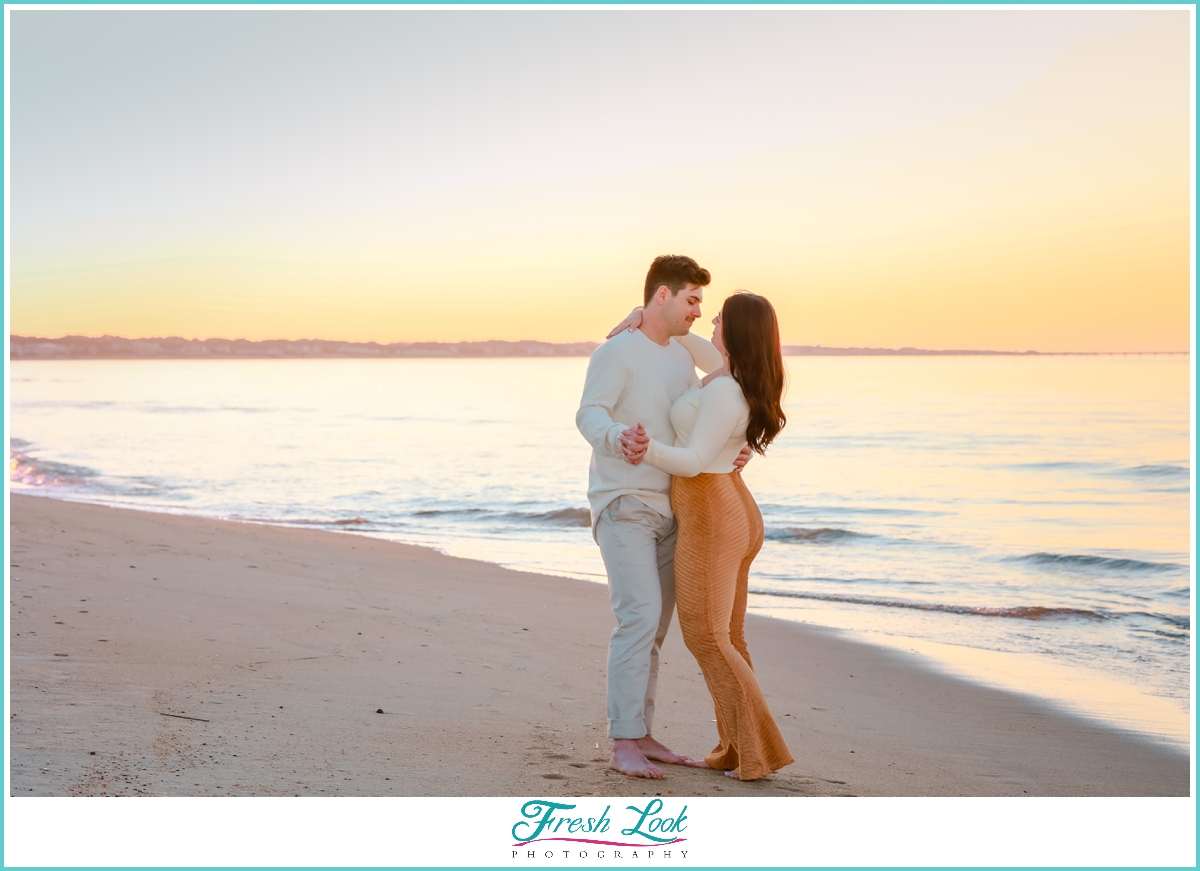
676	272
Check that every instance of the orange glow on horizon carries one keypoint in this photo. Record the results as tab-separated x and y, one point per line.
1058	220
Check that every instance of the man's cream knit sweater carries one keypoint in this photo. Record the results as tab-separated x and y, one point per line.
632	379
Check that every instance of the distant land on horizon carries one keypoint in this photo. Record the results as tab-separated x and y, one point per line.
177	348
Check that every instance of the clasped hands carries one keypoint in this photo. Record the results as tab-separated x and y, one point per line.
634	443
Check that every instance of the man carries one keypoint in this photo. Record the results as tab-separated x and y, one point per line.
632	380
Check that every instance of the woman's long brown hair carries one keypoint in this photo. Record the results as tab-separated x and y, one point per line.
751	333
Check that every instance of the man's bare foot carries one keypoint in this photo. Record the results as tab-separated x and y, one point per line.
654	749
627	758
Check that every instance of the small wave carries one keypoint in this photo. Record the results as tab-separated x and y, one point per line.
1021	612
558	517
307	521
1059	465
1158	472
564	516
822	535
442	512
1180	621
1148	471
1102	563
27	471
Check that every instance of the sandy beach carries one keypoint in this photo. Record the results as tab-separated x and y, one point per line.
154	654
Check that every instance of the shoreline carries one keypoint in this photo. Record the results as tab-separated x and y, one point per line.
260	625
1070	689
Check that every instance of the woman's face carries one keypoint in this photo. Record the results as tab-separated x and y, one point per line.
718	338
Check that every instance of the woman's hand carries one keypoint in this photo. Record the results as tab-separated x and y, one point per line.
632	321
634	442
743	457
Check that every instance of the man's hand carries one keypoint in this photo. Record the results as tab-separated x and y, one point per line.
632	321
634	442
742	458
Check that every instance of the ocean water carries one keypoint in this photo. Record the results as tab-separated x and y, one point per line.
1023	521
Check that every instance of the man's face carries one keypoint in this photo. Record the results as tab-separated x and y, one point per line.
681	309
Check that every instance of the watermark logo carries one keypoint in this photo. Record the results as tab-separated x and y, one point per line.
654	825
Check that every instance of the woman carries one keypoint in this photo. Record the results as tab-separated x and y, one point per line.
720	527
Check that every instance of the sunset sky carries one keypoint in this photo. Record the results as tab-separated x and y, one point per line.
1005	178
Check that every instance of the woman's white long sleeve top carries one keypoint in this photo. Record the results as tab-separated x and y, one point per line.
710	430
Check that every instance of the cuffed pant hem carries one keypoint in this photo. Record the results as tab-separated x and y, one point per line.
633	729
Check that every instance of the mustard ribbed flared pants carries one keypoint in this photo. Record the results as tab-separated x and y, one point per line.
720	532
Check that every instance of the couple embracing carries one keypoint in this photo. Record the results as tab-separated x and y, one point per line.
674	521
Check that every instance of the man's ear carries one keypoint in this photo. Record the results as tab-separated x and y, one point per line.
660	295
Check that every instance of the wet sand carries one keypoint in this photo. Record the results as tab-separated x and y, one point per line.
161	655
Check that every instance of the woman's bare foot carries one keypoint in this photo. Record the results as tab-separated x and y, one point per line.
734	774
628	758
654	749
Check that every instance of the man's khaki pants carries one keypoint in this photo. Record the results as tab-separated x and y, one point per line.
638	547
